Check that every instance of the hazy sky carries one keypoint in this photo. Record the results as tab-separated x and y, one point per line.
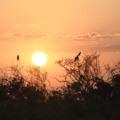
59	28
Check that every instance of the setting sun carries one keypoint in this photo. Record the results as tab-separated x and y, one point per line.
39	59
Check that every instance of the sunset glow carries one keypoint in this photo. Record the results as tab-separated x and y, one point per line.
59	59
39	59
60	29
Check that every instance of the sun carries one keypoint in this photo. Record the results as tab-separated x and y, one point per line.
39	59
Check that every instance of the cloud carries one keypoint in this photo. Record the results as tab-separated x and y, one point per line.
98	42
96	36
106	48
26	31
5	36
18	35
21	25
90	41
23	37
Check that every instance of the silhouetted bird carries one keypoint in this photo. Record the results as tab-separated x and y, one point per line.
18	57
77	57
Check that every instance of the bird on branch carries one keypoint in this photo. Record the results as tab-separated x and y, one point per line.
77	57
18	57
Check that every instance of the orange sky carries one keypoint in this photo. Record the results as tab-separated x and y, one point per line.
60	28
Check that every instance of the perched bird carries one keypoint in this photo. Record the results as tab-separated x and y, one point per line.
77	57
18	57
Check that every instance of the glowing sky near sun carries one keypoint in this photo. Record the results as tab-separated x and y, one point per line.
60	28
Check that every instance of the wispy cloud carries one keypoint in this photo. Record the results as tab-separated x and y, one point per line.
21	25
27	31
99	42
9	36
90	41
107	48
18	35
96	36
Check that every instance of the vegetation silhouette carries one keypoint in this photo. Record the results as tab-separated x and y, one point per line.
87	93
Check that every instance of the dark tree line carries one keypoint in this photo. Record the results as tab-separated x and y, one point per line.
87	93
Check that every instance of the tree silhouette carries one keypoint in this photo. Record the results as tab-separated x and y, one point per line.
86	93
82	76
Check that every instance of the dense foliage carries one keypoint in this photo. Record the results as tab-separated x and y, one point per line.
87	93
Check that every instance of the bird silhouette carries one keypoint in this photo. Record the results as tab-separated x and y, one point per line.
18	57
77	57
